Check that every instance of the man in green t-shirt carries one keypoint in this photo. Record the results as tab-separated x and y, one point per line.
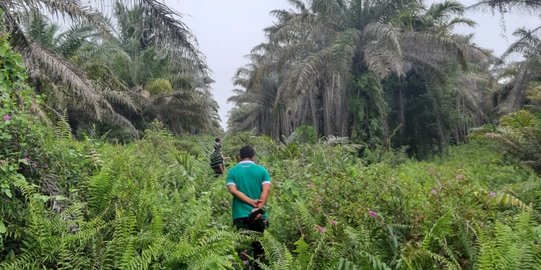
249	184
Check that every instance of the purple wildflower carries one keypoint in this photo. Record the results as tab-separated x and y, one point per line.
492	194
7	117
372	213
434	192
334	222
459	177
321	229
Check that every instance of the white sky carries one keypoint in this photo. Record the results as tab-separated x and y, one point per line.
228	29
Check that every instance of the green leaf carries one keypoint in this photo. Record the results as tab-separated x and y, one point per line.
8	193
43	198
2	227
5	136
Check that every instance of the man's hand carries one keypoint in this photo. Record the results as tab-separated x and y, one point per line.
241	196
259	215
264	196
254	203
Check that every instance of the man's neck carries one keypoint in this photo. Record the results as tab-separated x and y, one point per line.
246	160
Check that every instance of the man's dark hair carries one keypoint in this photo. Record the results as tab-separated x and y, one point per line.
246	152
217	140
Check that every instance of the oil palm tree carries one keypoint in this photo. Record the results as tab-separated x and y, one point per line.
256	102
334	59
66	44
512	95
166	30
520	74
168	87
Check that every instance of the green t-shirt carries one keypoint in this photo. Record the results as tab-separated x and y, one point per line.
249	178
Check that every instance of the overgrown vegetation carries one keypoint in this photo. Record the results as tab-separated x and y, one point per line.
154	204
337	203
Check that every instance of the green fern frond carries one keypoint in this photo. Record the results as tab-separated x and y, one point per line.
149	254
505	199
441	260
27	189
375	262
25	261
302	251
344	264
96	158
509	247
305	218
276	253
439	229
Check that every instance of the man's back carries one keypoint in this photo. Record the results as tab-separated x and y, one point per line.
249	184
248	178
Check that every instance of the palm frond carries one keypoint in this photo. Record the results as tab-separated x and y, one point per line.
504	5
39	59
528	43
74	9
301	79
171	33
446	8
383	52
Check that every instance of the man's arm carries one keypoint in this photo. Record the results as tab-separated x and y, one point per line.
264	195
241	196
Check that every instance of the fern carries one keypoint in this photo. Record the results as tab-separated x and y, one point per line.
149	254
28	260
61	129
305	218
302	251
439	229
505	199
344	264
375	263
96	158
100	188
27	189
276	253
509	247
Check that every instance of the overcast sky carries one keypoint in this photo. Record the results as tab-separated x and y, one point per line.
228	29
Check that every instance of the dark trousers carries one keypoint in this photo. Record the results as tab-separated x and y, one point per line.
217	172
256	226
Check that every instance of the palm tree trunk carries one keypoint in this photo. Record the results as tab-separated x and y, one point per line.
439	121
313	110
326	109
515	97
401	107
